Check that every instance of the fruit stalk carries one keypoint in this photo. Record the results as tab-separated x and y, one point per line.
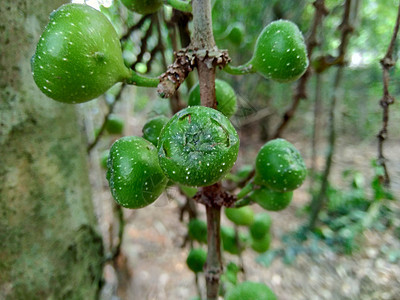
214	261
203	38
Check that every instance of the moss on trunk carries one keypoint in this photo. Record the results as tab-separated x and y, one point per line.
50	248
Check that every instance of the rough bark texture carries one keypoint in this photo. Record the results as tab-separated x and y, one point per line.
49	245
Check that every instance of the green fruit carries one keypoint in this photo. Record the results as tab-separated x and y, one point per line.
261	225
271	200
198	146
135	177
152	129
240	216
78	56
114	124
236	33
198	230
229	243
225	96
188	190
196	259
143	7
261	245
104	159
249	290
280	166
280	52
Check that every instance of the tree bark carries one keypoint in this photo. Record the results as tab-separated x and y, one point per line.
50	248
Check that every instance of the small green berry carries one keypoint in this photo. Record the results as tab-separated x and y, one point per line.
198	146
229	243
143	7
271	200
240	216
225	96
114	124
197	230
250	290
261	245
78	56
280	52
279	166
236	33
261	225
152	129
104	158
135	177
196	259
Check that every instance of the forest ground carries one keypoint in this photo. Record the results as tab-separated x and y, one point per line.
152	265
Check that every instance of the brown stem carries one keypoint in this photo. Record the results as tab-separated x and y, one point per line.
134	28
143	42
311	43
213	266
317	123
346	28
387	63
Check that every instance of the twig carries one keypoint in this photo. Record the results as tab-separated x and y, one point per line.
103	125
143	42
311	42
387	62
134	27
316	124
175	100
345	28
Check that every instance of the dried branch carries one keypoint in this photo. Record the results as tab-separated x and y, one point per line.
103	125
143	42
346	28
311	42
387	62
134	28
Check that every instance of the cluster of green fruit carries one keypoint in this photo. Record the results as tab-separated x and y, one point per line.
79	56
233	242
196	147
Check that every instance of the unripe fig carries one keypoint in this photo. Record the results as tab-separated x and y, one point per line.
152	129
135	177
236	33
271	200
198	146
261	245
197	230
78	56
280	52
196	259
143	7
240	216
280	166
104	158
229	243
261	225
250	290
225	96
114	124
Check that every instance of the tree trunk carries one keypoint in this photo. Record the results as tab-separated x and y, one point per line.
49	245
